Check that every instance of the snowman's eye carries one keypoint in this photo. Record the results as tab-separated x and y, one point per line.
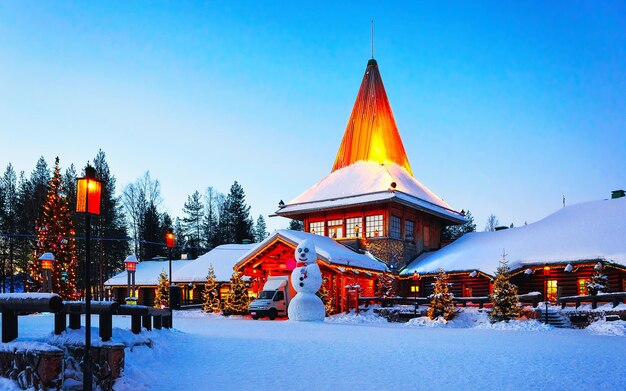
306	250
299	250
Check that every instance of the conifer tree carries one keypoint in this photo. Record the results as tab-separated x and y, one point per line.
441	301
55	234
260	230
236	302
235	222
386	286
162	296
504	295
599	281
296	225
192	222
9	213
211	294
210	223
327	296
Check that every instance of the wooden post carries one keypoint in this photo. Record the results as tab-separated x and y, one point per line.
106	325
75	321
135	324
60	322
9	325
157	322
146	321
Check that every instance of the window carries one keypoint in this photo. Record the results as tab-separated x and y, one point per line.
415	288
335	229
353	227
467	291
373	226
317	228
551	288
279	296
409	227
582	286
395	228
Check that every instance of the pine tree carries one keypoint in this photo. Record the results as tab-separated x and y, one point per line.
211	294
210	223
192	222
55	234
327	296
235	222
441	301
386	286
504	295
599	281
451	233
236	302
260	230
162	296
9	216
296	225
151	233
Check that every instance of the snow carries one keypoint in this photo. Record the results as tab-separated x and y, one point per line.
367	182
147	272
327	249
581	232
603	327
223	259
361	352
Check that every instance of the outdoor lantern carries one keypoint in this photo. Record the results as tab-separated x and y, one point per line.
47	260
416	276
546	270
356	230
88	190
169	238
131	263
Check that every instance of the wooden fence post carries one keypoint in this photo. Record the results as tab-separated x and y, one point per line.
9	325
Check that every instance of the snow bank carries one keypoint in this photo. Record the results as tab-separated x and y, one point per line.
602	327
352	318
479	319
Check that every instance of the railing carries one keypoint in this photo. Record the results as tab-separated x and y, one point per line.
14	304
529	298
616	298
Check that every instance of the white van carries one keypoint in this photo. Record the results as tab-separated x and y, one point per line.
273	299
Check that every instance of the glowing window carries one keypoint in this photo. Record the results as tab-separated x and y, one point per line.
374	226
415	288
317	228
353	227
582	286
409	227
335	229
551	287
395	228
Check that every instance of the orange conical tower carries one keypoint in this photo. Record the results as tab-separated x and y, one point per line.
371	134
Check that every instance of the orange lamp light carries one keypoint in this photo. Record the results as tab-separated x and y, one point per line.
47	261
169	238
88	193
546	270
416	276
131	263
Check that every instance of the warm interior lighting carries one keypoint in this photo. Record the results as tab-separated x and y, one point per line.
131	266
546	270
88	192
169	239
46	264
371	134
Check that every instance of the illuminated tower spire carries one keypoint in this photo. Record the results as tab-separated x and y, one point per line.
371	134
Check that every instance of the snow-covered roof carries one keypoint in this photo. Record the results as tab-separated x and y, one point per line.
367	182
147	272
327	249
223	259
587	231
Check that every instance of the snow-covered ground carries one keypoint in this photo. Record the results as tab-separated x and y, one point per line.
348	352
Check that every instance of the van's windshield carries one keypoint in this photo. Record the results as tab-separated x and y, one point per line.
266	295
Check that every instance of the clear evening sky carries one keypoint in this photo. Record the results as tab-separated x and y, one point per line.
503	107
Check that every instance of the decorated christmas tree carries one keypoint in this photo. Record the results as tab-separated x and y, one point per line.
236	302
504	295
328	298
599	281
386	286
162	296
211	294
441	301
55	234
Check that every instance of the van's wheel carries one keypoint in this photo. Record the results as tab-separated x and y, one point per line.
273	314
255	317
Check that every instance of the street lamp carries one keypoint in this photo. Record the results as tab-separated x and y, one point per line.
169	242
88	190
47	261
416	277
131	266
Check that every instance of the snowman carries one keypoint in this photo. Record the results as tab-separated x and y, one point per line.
306	280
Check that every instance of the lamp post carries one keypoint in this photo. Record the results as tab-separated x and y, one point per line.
416	278
169	242
88	190
131	266
546	273
47	261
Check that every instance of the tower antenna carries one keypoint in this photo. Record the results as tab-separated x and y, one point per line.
372	38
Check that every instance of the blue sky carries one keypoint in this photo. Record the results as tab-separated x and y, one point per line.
503	107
